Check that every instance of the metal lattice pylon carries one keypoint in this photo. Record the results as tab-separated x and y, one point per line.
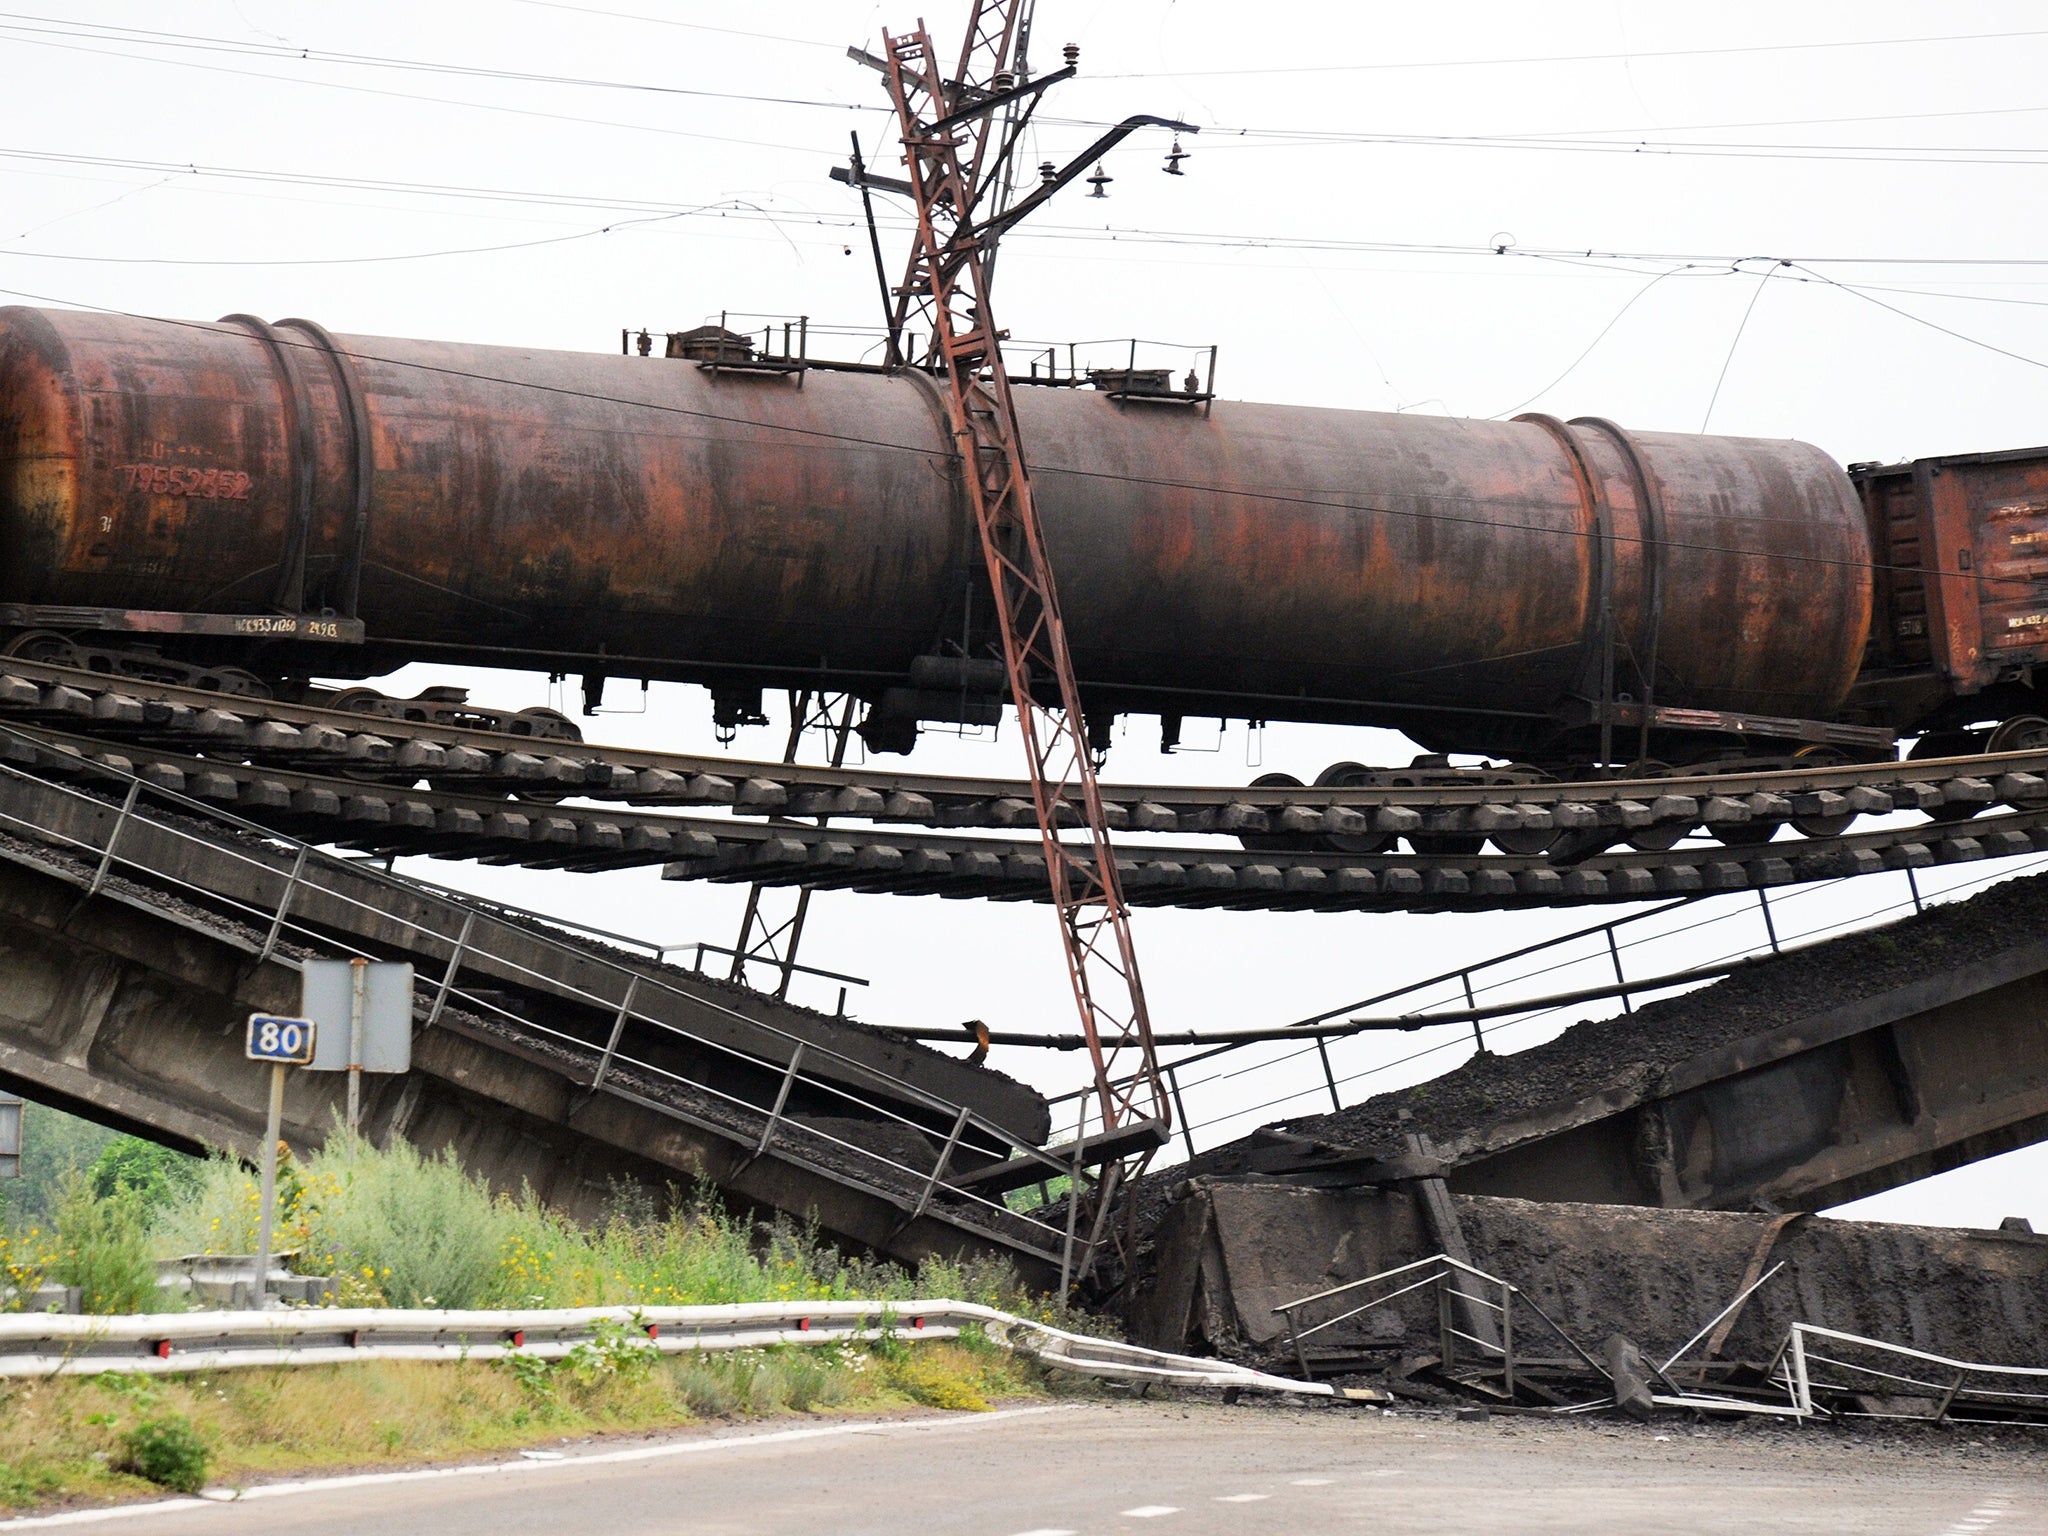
772	926
947	284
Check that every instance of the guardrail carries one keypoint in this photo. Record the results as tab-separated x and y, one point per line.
35	1344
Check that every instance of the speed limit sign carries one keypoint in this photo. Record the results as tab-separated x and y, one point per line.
282	1040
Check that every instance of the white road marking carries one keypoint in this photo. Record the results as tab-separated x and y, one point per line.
1150	1511
490	1468
1313	1482
1978	1520
1241	1498
1048	1531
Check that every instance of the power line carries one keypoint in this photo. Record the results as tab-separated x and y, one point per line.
665	21
1727	362
44	28
444	101
1632	56
1104	234
373	260
50	26
1856	154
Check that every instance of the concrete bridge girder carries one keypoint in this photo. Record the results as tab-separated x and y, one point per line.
128	1006
1822	1110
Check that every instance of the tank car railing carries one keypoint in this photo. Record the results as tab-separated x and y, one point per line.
777	1130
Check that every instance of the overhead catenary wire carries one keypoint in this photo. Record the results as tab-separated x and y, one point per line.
1633	55
445	101
47	31
19	23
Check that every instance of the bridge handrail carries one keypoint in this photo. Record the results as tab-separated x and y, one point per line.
110	855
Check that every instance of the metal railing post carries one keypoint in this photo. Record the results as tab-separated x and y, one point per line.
1913	885
1614	954
1323	1050
1073	1206
1472	1002
1763	901
284	902
939	1168
1949	1397
796	1060
1446	1331
1294	1338
1802	1389
107	854
454	964
1507	1337
1180	1110
611	1046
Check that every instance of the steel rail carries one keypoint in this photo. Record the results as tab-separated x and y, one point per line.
398	821
119	709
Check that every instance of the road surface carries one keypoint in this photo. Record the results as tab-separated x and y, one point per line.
1166	1469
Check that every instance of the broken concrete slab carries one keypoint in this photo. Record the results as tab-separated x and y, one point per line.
1229	1253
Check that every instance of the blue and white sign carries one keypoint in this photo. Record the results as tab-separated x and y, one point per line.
289	1041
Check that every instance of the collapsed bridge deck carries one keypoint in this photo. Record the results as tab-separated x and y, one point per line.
138	941
1803	1081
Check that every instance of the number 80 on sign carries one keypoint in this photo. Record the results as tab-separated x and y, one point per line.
273	1038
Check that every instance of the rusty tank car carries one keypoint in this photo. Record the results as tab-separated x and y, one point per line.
259	503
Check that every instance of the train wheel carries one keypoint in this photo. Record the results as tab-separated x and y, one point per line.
1660	838
1278	842
1337	775
1446	845
544	724
1528	843
364	701
238	683
44	645
1946	744
1744	834
2022	733
1821	826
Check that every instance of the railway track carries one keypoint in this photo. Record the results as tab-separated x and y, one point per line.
1510	808
1965	817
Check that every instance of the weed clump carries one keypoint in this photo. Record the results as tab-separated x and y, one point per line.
169	1452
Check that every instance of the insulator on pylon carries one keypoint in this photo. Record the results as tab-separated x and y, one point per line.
1174	157
1098	184
1047	171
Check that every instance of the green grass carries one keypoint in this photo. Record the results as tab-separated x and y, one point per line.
103	1438
400	1228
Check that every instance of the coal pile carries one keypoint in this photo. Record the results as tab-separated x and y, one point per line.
1599	1054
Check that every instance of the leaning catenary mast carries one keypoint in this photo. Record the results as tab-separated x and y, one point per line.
957	152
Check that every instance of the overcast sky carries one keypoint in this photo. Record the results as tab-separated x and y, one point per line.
1468	210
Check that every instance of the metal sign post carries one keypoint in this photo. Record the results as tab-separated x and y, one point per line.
10	1136
358	984
283	1043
